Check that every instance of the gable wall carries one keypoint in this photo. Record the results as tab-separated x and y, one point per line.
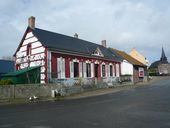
37	56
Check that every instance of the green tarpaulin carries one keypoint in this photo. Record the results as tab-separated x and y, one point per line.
28	75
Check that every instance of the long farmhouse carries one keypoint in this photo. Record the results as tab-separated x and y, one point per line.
63	57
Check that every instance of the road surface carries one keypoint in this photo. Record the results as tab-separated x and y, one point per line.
142	107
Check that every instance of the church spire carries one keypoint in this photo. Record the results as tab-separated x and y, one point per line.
163	57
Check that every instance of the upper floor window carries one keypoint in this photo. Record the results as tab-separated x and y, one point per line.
98	52
28	49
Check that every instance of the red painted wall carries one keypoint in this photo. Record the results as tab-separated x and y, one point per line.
69	58
46	59
53	65
67	68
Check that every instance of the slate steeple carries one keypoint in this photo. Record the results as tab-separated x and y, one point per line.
163	57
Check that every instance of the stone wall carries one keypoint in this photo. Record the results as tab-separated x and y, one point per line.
164	69
26	91
5	92
46	90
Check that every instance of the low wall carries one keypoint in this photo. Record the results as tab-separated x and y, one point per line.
26	91
45	90
5	92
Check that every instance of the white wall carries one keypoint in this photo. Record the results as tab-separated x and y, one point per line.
126	68
37	56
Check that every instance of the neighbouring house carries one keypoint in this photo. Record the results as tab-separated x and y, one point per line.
131	69
65	58
160	67
138	56
6	66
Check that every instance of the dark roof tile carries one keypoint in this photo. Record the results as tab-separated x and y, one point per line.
71	44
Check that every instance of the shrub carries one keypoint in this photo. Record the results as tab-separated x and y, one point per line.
6	82
153	74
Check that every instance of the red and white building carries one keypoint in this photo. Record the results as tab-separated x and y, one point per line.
63	57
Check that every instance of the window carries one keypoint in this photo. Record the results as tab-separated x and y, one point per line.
76	69
92	70
111	70
103	71
61	68
17	67
71	70
88	70
28	49
96	68
117	70
84	70
98	52
80	69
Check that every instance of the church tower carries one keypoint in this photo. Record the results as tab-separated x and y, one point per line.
163	58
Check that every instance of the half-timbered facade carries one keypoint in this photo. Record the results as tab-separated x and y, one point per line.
63	57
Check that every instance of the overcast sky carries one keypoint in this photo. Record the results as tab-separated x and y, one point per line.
125	24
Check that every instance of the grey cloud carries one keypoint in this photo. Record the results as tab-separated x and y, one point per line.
128	23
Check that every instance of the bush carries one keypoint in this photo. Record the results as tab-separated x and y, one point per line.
153	74
6	82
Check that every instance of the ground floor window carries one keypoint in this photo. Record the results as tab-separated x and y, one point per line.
76	69
60	67
117	70
96	70
88	70
111	70
103	71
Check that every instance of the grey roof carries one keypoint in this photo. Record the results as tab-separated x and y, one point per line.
155	64
65	43
6	66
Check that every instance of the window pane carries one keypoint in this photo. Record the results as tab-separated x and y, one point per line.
88	70
111	70
76	74
103	71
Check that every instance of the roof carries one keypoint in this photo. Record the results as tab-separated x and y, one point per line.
65	43
6	66
163	58
129	58
155	64
19	72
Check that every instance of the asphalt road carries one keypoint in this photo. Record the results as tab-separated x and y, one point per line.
143	107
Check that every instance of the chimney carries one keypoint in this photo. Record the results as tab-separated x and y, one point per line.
104	43
76	35
31	22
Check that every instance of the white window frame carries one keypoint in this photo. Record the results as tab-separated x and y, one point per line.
61	68
92	70
71	70
117	70
80	69
102	70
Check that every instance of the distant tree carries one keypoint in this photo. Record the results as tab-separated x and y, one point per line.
7	58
